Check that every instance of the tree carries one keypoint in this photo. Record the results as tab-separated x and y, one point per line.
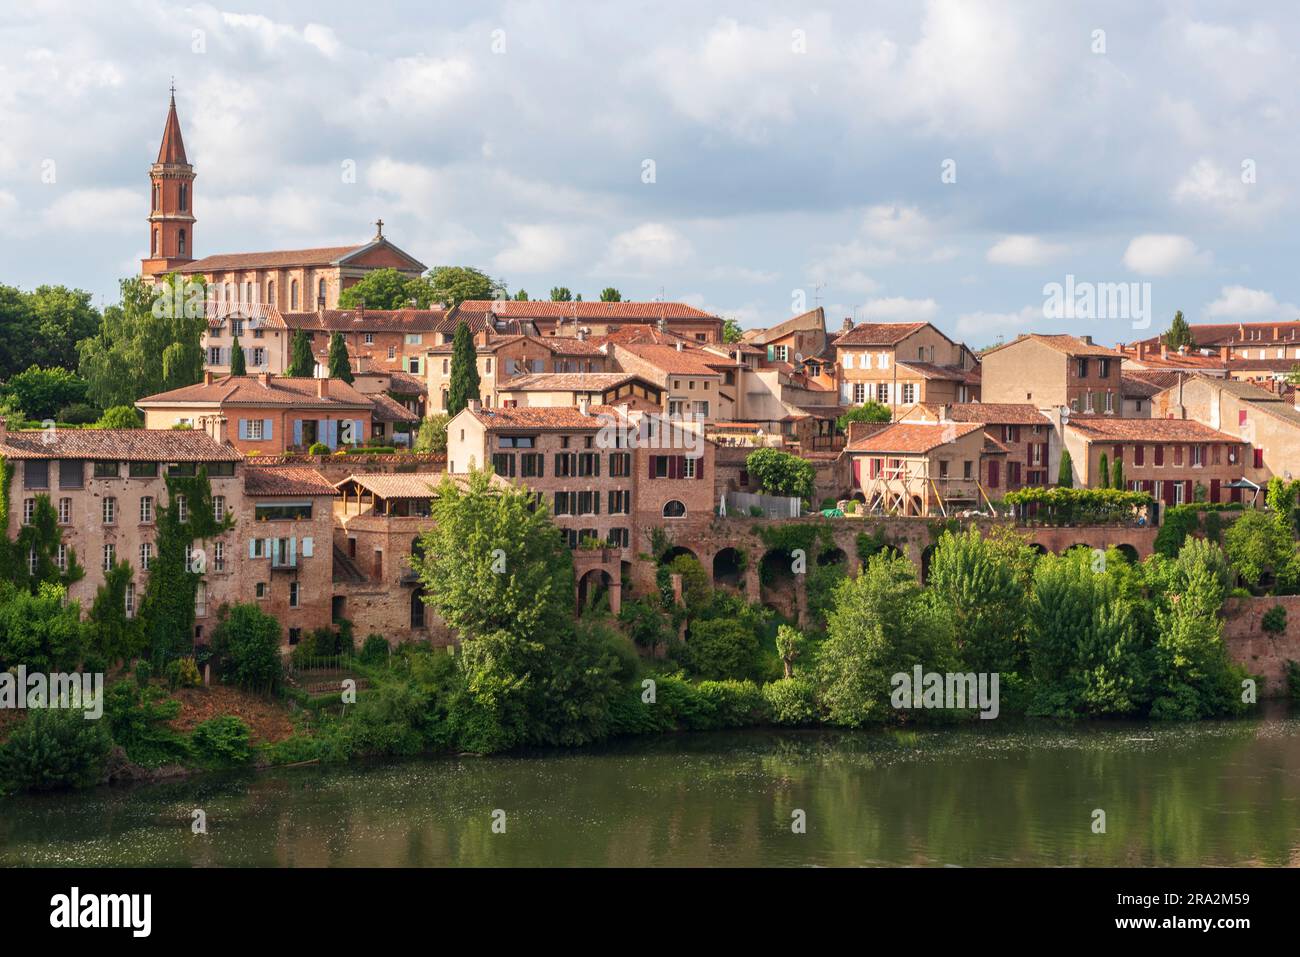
40	629
521	296
149	343
561	294
1117	474
882	624
340	364
121	417
33	558
1065	477
43	327
1259	547
40	393
869	411
789	646
1179	333
731	331
110	632
387	289
983	583
54	748
780	473
610	294
719	649
302	363
246	642
464	384
432	436
238	364
1103	472
452	285
646	624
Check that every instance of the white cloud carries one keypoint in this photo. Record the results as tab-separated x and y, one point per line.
646	249
108	210
1163	254
741	274
972	324
536	247
899	309
1239	302
1019	250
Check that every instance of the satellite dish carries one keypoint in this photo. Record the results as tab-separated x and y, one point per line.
798	357
1065	414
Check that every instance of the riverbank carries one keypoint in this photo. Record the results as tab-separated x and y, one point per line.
986	794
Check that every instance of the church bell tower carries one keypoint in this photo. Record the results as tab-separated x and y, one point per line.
171	202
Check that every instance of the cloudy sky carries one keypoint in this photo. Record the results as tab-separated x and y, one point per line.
940	160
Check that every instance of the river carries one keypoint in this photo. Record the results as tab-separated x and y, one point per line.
1200	794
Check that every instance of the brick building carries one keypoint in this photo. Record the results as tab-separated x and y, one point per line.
1031	447
899	364
1051	371
917	468
597	318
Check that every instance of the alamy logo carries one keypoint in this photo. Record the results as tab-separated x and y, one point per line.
18	689
948	691
652	431
1098	300
134	911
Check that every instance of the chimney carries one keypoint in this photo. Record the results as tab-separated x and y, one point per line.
1225	353
1164	351
482	337
1276	334
322	388
264	378
475	405
207	377
679	345
584	405
1087	340
582	334
848	324
360	312
945	412
1141	350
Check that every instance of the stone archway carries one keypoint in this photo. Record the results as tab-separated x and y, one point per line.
593	589
727	567
1129	552
674	552
927	556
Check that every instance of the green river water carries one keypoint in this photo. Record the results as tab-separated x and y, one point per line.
1204	794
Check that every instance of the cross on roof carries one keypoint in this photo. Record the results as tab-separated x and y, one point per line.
379	226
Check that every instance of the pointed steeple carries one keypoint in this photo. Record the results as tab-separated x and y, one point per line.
172	150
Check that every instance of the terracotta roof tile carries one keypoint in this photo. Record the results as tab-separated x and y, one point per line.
323	256
564	418
990	413
567	381
370	320
1069	345
125	445
172	149
913	437
409	484
878	333
673	361
285	480
388	409
253	392
625	311
1107	428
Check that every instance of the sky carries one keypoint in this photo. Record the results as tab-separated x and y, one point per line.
946	160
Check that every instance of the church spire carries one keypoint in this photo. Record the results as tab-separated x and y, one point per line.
172	150
171	207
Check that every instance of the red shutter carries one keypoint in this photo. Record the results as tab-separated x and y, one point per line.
993	473
1160	454
1214	490
857	473
699	469
1139	454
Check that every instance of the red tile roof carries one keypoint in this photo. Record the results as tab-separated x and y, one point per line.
625	311
878	333
1239	333
673	361
285	480
989	413
913	437
172	149
252	391
125	445
370	320
323	256
562	418
1069	345
567	381
1107	429
409	484
388	409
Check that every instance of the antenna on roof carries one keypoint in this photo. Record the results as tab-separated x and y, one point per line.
817	294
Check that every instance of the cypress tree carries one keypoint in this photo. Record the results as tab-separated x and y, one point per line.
1105	471
237	364
1117	475
1179	334
1065	478
340	367
464	384
301	361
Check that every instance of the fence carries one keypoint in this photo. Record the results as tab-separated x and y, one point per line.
773	506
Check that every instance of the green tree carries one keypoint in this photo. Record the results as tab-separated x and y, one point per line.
340	364
121	417
302	363
882	624
1260	548
43	327
521	296
723	648
238	364
40	393
432	436
387	289
55	748
452	285
149	343
246	642
561	294
870	411
40	629
1065	476
731	331
1103	472
789	647
1179	333
464	384
1117	474
610	294
780	473
110	632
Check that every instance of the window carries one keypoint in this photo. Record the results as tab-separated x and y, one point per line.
253	429
564	503
674	509
1259	458
503	463
182	508
859	393
943	468
36	473
110	555
259	590
370	338
146	555
620	502
413	366
65	511
157	195
566	464
130	599
532	465
1180	492
61	557
1158	458
142	469
966	469
417	609
72	473
294	635
619	538
293	294
1103	368
282	512
219	556
219	507
392	354
620	464
185	204
589	465
320	290
1081	368
882	393
32	561
1139	454
293	594
110	510
180	241
146	509
200	606
1110	403
909	393
688	467
414	338
259	356
515	442
1198	456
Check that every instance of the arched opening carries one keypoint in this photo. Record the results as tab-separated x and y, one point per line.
916	508
777	569
1038	548
184	197
417	608
927	555
270	292
832	556
673	552
1076	545
320	290
180	242
727	568
1129	552
293	294
593	590
674	509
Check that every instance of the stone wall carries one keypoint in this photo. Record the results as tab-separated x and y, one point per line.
1260	652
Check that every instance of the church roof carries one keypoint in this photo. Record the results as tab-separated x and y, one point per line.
172	150
288	258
